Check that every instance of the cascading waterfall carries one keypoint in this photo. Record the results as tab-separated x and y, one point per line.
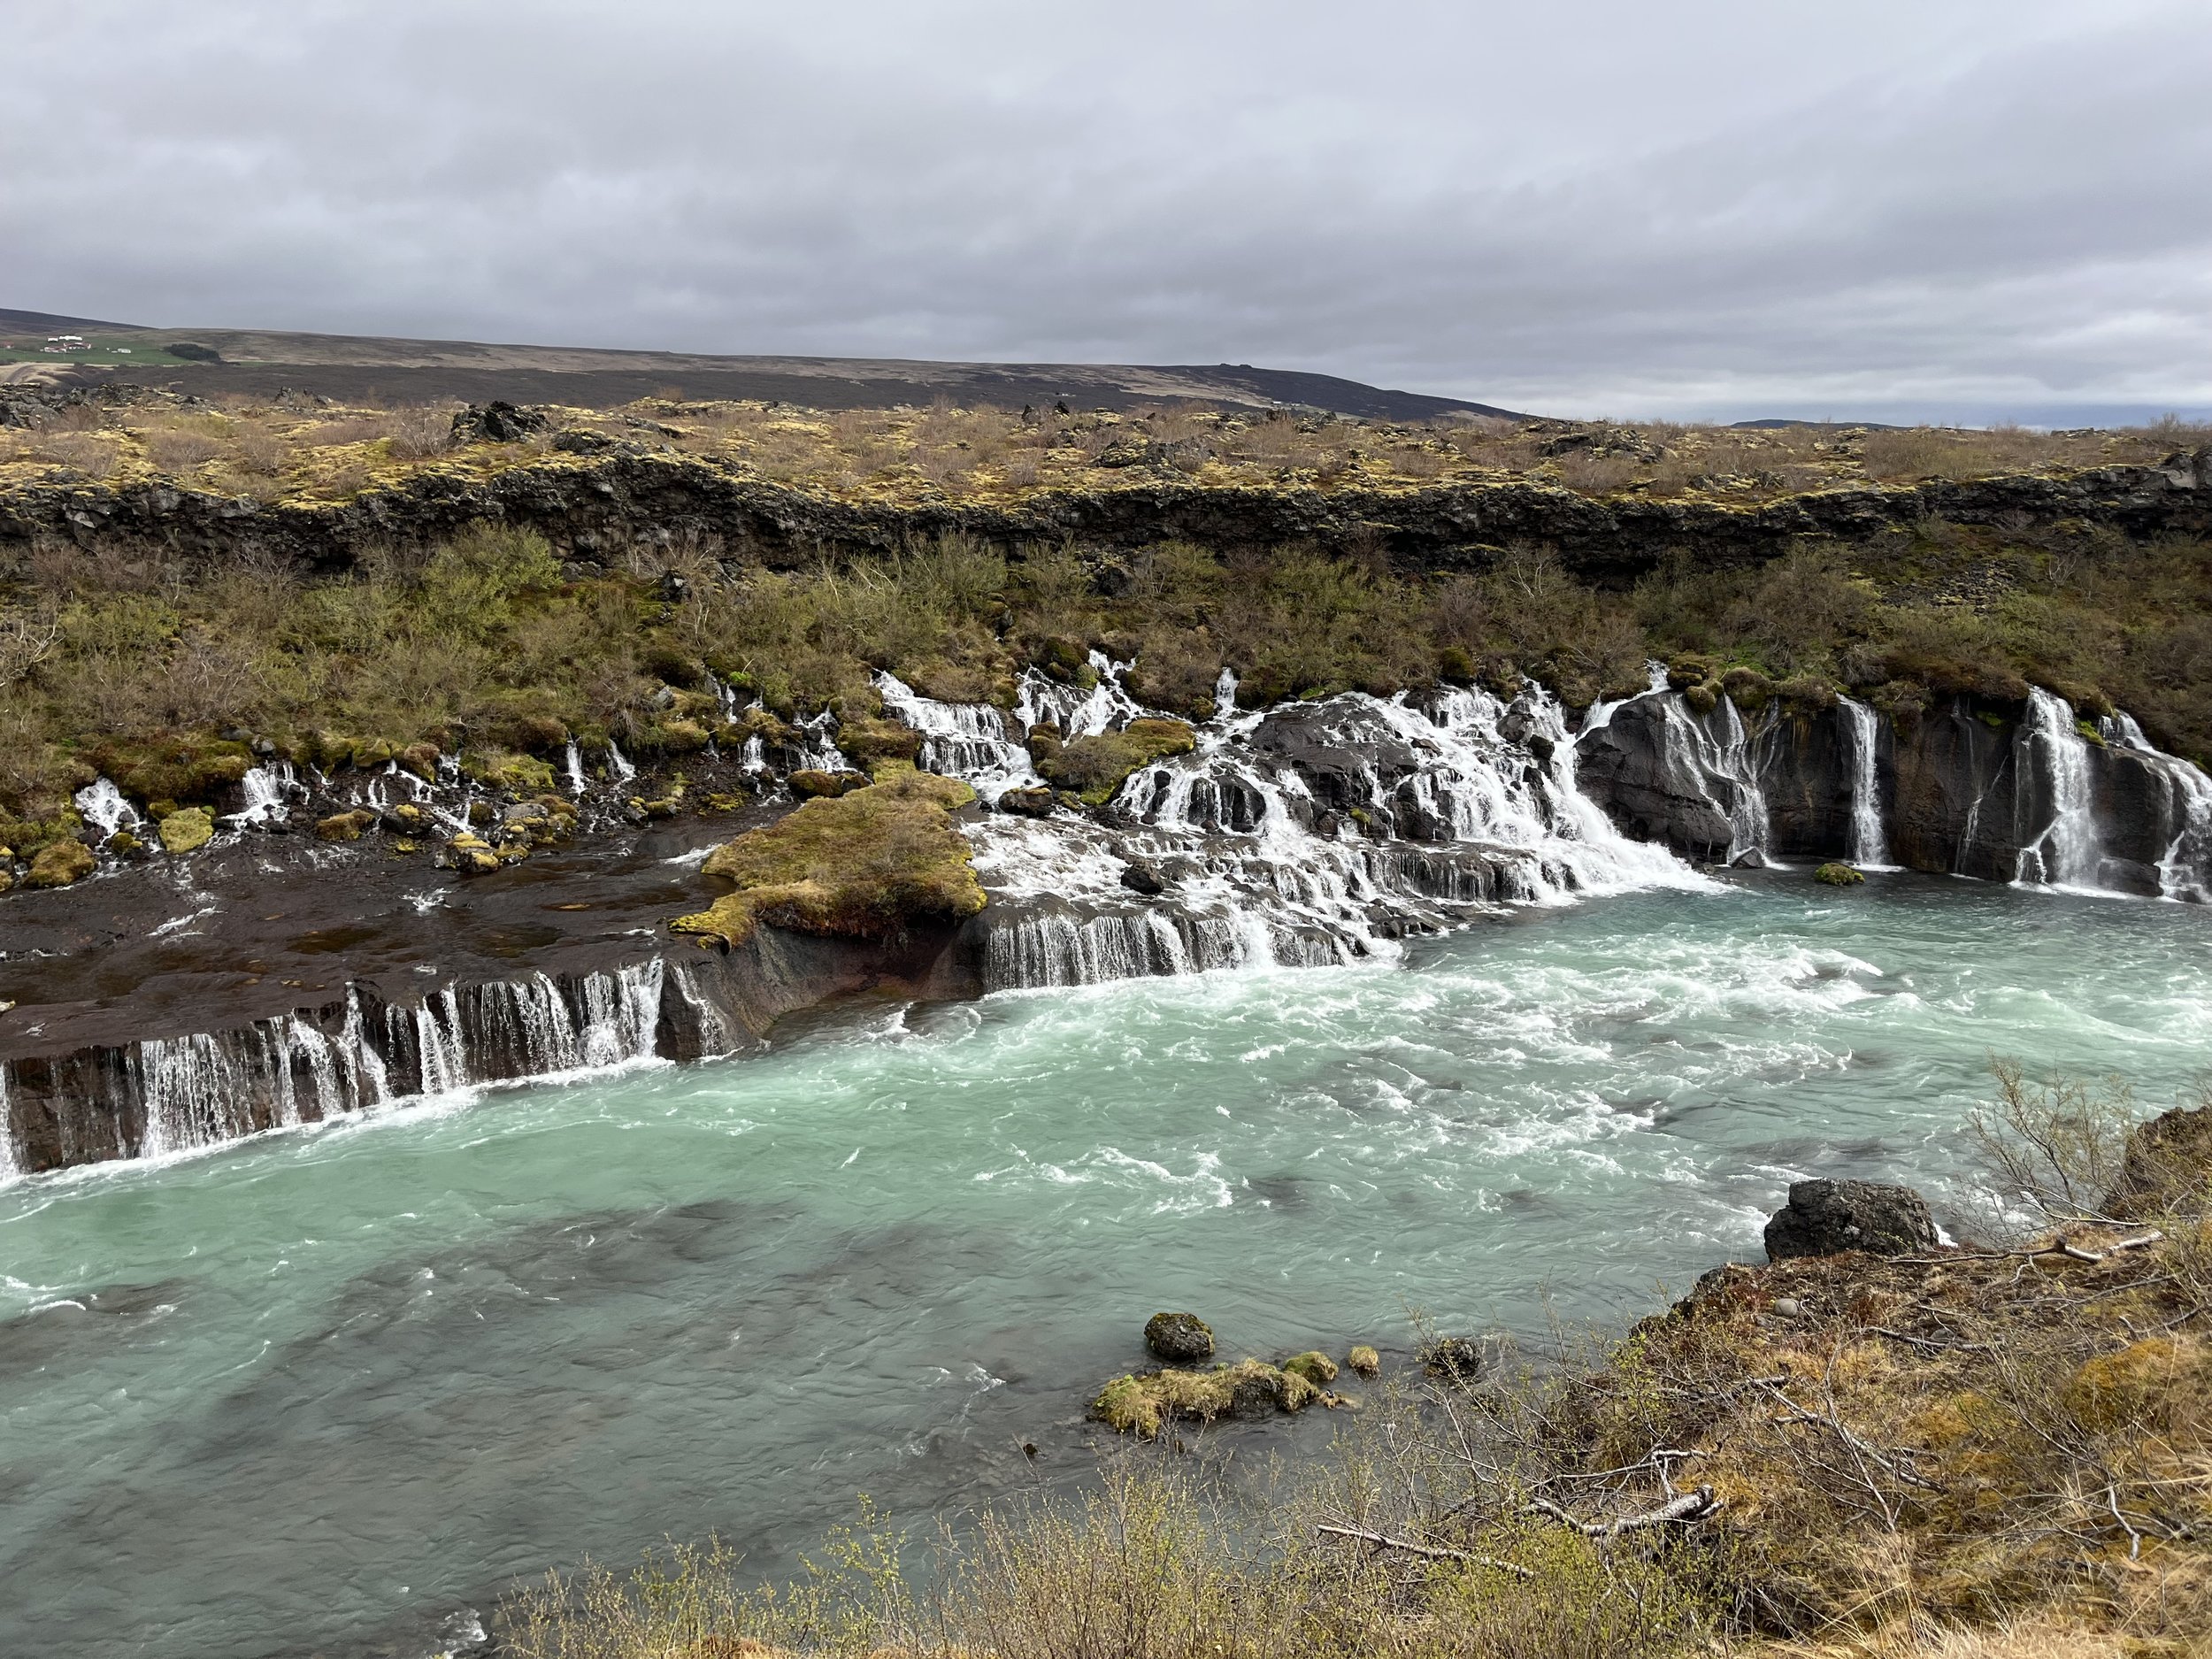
961	740
11	1161
1476	808
618	767
204	1088
2183	870
101	805
267	791
1870	846
1727	769
572	764
2066	853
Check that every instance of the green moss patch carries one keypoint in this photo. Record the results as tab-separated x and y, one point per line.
866	865
182	831
1095	767
1141	1402
1835	875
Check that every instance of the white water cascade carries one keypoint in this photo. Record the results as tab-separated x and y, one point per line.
10	1161
267	790
101	805
573	765
1870	846
961	740
1726	767
2186	870
2065	853
1318	833
205	1089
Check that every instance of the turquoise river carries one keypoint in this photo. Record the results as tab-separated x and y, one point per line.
328	1391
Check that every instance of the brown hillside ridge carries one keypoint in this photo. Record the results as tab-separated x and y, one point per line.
1950	1452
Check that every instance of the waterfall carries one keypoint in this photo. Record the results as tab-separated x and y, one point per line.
1318	833
619	768
267	790
11	1161
2185	871
1226	694
1869	846
959	739
817	748
205	1089
2066	853
1726	769
574	763
101	805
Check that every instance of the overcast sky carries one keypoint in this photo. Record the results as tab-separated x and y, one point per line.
1958	210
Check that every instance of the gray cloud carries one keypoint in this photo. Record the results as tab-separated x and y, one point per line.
1970	211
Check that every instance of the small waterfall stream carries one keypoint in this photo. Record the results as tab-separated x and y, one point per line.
101	805
1870	846
2066	852
202	1088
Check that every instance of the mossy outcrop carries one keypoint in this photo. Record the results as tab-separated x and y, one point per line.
1179	1338
1142	1402
1838	875
188	828
60	863
1094	767
868	865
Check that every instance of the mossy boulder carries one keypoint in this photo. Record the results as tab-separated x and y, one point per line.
173	767
60	863
867	865
1180	1339
872	741
1094	767
1315	1366
2167	1166
1839	875
1365	1361
345	827
1456	1358
1142	1402
810	784
1036	802
188	828
503	769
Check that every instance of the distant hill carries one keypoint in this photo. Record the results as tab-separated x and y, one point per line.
357	367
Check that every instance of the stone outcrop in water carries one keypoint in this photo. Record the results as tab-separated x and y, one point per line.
1825	1218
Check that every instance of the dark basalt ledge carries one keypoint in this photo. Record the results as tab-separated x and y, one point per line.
91	1103
608	505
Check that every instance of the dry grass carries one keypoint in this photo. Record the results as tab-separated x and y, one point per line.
984	453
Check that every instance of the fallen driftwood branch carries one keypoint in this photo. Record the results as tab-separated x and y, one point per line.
1690	1507
2072	1252
1430	1552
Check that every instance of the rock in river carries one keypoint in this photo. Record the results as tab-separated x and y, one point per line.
1827	1218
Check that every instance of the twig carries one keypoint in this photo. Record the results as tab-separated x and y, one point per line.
1929	1342
1430	1552
1689	1507
2135	1539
